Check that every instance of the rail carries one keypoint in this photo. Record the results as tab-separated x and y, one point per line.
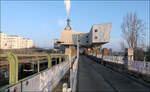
115	59
13	66
139	66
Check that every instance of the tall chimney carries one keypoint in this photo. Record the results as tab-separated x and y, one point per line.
68	27
68	21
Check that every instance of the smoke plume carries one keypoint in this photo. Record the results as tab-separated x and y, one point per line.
67	3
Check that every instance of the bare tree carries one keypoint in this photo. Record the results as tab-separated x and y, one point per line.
133	30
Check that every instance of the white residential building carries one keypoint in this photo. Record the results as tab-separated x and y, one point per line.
29	43
14	42
3	40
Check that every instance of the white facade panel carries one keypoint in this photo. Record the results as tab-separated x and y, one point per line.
101	33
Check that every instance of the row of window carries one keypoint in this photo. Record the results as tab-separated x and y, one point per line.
86	41
94	37
95	31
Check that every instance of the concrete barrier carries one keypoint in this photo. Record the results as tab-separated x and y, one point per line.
74	71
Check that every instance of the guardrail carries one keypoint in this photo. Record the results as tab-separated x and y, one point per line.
139	66
115	59
73	76
15	84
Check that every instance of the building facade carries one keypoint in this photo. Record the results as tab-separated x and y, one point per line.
97	36
14	42
3	40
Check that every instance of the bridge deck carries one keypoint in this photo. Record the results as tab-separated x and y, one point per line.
97	78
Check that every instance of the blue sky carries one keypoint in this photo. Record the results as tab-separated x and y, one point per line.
43	21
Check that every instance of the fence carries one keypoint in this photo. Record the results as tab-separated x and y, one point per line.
115	59
42	81
140	66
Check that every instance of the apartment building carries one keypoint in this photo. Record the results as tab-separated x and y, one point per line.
14	42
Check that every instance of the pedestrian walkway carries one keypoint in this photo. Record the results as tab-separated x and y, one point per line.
93	77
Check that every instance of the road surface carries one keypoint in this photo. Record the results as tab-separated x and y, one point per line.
93	77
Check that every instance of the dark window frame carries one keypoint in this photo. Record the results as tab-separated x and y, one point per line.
96	30
95	37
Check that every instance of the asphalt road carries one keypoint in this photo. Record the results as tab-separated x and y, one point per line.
93	77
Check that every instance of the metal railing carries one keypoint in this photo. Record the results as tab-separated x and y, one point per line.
14	62
115	59
139	66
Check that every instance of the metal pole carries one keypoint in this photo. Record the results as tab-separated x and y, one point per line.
60	59
38	63
49	61
13	68
55	60
78	46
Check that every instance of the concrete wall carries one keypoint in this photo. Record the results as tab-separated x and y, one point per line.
66	36
83	39
90	37
101	33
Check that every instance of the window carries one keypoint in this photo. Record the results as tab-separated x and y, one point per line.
96	30
86	41
95	37
86	36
